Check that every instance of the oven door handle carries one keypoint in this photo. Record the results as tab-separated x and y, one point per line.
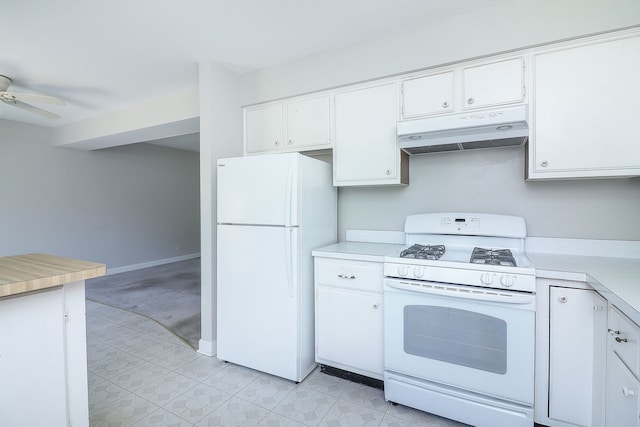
466	292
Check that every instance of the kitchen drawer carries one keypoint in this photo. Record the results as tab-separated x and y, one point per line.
622	399
349	274
624	339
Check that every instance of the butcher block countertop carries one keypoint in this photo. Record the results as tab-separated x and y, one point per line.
32	272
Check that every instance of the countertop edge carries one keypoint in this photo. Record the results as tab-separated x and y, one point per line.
21	274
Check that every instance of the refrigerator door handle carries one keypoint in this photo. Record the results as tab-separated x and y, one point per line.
289	198
289	260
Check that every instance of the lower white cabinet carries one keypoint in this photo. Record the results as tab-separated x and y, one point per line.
571	321
349	315
572	364
623	394
43	363
623	370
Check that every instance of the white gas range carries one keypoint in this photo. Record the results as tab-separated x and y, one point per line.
460	319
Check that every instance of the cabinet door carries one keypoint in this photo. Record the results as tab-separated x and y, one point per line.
585	112
349	330
366	148
32	360
263	128
623	390
599	359
427	95
308	123
493	84
571	347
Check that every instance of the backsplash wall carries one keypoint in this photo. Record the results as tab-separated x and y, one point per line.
492	181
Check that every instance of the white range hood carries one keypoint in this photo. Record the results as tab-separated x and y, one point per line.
481	129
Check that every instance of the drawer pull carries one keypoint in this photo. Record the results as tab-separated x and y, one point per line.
346	276
628	391
376	306
612	332
618	339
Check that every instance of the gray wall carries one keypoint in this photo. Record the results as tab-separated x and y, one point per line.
492	181
120	206
485	180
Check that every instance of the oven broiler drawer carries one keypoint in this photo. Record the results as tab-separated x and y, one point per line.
448	401
355	275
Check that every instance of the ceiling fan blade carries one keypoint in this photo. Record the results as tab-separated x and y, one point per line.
32	109
42	99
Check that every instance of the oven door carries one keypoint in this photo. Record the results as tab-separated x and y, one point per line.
480	341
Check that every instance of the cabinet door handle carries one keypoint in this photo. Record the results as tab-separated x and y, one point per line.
445	104
544	163
277	143
290	141
598	307
612	332
628	391
618	339
346	276
376	306
470	101
563	299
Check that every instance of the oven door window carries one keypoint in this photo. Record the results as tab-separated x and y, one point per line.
456	336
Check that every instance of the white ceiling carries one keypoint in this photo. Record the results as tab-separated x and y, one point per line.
102	56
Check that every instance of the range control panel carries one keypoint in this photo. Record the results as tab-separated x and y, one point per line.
460	222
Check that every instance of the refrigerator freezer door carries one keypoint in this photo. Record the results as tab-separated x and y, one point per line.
258	294
258	190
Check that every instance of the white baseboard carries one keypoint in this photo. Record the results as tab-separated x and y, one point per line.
132	267
208	348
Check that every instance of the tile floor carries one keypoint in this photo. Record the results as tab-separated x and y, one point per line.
140	374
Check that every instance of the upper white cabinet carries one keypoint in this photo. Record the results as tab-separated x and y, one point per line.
464	88
493	84
431	94
366	147
294	125
263	130
585	109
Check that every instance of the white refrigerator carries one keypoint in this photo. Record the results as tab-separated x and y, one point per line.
273	210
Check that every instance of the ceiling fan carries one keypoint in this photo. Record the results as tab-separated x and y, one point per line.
17	99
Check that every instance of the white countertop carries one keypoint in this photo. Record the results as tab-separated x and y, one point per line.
616	279
359	251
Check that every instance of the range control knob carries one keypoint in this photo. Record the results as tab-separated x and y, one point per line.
507	281
418	272
487	278
403	270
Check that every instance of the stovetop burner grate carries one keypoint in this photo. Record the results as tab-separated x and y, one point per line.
423	252
493	257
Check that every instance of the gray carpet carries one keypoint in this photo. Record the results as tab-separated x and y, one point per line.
168	294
